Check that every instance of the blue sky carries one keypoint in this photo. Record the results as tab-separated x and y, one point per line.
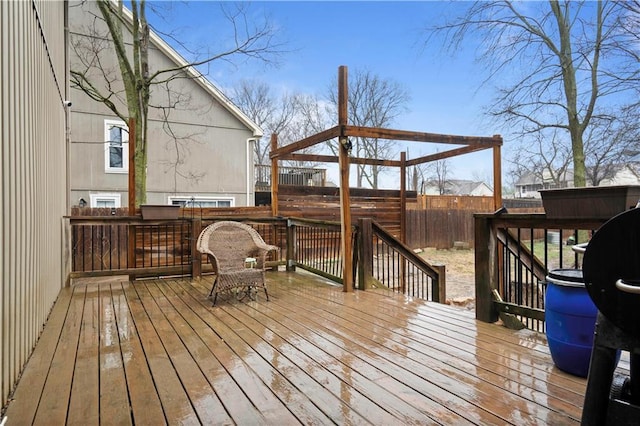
384	37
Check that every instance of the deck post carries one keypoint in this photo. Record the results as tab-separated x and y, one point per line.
67	251
274	177
497	176
291	246
343	159
196	258
439	290
131	247
403	197
365	257
485	268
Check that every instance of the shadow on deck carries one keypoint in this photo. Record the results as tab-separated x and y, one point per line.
154	352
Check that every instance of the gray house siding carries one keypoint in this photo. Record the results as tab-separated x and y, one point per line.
213	152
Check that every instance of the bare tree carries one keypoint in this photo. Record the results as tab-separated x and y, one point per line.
374	102
441	175
611	144
558	62
312	116
547	158
419	175
273	114
292	116
127	91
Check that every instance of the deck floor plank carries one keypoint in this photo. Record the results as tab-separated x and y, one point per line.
306	375
53	406
156	351
204	400
197	312
143	396
175	402
292	397
84	403
113	380
362	376
471	387
235	402
409	340
445	391
26	397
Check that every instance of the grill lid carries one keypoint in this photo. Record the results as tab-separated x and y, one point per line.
613	254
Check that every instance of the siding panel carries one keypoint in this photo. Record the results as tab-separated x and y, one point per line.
33	86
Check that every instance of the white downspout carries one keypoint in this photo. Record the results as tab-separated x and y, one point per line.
249	169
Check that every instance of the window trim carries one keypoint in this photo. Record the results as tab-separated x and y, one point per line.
108	124
196	198
94	198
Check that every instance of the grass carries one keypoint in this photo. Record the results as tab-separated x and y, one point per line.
553	254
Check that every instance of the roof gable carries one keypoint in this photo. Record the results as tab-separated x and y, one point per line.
199	78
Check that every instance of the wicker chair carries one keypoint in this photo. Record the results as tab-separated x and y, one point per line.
229	245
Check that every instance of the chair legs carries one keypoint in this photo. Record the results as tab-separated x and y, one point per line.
214	290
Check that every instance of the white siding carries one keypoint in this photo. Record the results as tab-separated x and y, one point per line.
33	182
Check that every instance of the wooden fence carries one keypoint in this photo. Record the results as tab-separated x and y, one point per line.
439	228
441	220
323	203
453	202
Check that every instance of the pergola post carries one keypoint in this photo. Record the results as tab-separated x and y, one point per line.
343	161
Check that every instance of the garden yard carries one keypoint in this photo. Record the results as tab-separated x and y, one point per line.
460	273
460	267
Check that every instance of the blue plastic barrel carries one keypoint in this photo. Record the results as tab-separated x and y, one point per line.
570	317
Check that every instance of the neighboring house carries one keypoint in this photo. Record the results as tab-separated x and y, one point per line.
530	183
458	187
208	162
626	174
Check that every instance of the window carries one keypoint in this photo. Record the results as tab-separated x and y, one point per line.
116	147
105	200
201	201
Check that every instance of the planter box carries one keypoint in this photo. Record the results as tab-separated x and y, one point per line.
159	212
592	202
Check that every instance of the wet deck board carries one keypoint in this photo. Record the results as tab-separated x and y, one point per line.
156	352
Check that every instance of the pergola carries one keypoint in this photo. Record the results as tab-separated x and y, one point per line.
343	131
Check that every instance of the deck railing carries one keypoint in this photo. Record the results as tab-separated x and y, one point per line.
121	245
128	245
288	175
513	255
316	247
387	264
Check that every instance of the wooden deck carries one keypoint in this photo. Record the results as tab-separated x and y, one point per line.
156	352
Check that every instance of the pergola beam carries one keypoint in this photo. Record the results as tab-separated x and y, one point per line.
334	159
446	154
323	136
405	135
